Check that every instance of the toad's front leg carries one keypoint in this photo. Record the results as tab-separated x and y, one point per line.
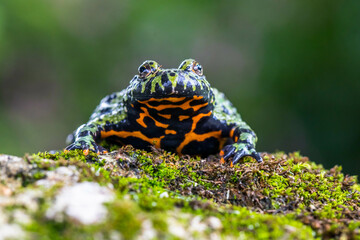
109	114
85	138
244	145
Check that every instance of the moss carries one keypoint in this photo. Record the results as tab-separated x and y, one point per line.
74	154
287	196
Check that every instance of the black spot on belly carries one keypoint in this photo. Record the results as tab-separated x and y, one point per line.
171	142
196	102
203	149
134	141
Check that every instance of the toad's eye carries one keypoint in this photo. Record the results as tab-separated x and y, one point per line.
144	70
190	65
147	68
197	68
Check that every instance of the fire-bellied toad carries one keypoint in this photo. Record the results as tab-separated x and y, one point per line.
172	109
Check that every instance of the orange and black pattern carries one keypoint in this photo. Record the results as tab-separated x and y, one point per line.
182	125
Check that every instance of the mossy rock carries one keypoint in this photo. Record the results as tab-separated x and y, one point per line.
134	194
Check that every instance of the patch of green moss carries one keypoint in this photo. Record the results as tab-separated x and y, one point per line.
286	196
74	154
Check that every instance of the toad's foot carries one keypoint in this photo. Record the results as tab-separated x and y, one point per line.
86	147
238	151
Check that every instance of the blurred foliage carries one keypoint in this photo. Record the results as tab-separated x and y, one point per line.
290	67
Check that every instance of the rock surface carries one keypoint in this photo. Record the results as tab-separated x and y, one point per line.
83	202
133	194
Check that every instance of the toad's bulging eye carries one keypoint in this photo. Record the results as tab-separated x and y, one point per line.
190	65
197	68
144	71
147	68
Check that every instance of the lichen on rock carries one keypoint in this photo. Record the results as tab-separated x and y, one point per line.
83	202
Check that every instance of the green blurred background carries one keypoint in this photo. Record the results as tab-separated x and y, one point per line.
290	67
